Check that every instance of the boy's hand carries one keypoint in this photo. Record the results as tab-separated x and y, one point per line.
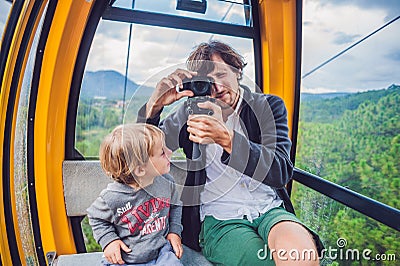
176	244
112	252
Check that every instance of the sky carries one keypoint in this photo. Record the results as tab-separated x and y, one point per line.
329	27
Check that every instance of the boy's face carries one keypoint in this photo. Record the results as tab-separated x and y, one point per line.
159	162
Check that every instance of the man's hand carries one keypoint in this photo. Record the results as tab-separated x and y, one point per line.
112	252
207	129
165	92
176	244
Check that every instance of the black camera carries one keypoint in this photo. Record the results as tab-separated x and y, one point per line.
199	85
193	109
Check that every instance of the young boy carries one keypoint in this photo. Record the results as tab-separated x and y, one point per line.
137	218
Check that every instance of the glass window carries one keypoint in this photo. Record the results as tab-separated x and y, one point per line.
113	91
349	127
21	161
346	234
5	8
121	74
349	130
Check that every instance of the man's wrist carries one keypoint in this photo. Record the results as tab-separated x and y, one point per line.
227	141
152	109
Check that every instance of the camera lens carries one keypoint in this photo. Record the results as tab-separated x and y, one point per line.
200	85
201	88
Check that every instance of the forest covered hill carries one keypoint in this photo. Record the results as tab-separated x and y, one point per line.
328	106
354	141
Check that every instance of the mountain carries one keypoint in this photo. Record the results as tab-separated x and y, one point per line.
318	96
110	84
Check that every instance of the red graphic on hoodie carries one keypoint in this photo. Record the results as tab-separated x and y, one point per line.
145	217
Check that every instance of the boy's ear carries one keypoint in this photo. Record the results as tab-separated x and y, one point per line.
139	171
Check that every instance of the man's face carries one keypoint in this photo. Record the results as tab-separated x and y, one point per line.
226	87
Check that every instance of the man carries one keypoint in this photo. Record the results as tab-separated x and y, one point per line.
234	209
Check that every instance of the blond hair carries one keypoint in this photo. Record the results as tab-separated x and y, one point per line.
127	147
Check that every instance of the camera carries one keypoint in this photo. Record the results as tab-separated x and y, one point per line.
192	108
199	85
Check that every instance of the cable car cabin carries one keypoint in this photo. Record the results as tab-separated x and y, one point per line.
73	70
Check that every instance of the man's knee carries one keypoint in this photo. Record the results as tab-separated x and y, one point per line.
292	241
290	233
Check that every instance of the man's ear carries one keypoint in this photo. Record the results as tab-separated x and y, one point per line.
238	75
139	171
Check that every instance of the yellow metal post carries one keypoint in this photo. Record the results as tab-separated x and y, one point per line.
278	42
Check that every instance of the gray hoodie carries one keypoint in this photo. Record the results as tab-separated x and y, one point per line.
141	219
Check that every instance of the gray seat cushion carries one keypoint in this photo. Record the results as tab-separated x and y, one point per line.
190	258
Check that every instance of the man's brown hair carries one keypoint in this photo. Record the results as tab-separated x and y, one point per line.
200	59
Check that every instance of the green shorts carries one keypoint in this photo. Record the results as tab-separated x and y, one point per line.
239	241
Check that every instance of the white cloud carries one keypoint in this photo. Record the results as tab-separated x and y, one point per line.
153	49
328	29
317	90
5	8
107	53
364	67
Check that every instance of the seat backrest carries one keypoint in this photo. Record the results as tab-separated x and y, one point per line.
84	180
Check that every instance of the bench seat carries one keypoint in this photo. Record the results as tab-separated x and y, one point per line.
189	258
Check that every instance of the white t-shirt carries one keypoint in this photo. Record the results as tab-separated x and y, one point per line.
229	194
